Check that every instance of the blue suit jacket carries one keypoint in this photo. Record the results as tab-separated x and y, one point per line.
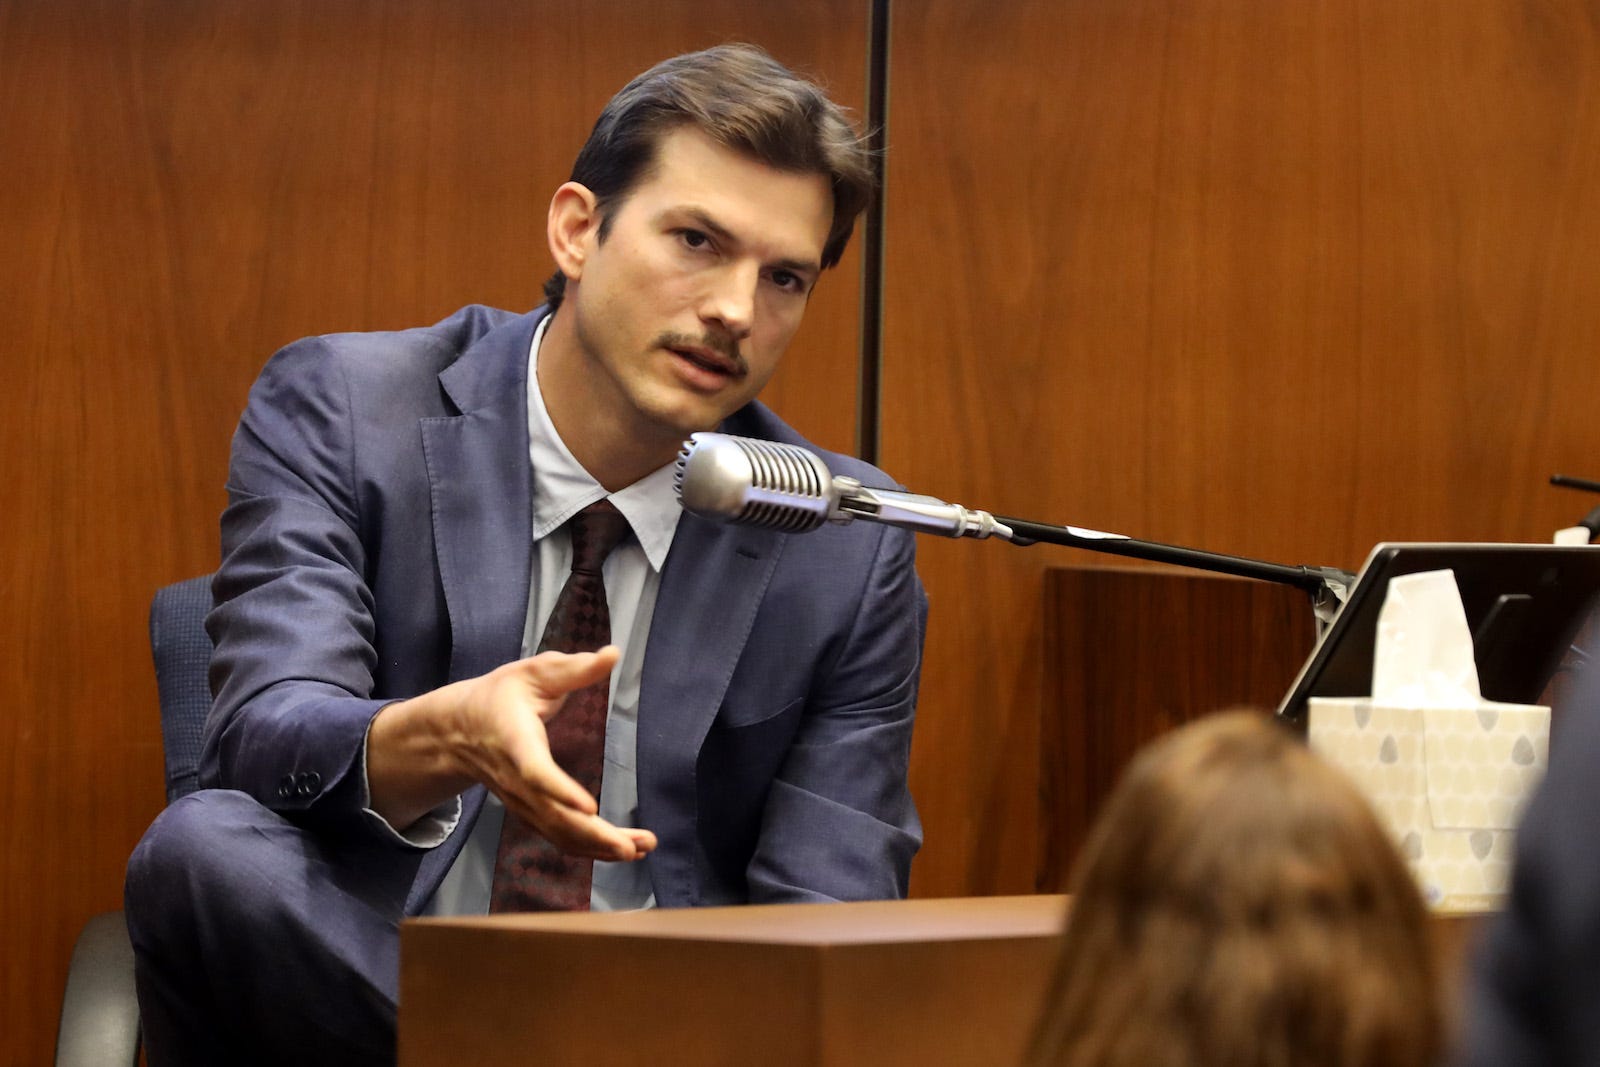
377	545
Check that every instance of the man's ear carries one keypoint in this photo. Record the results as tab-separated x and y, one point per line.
573	228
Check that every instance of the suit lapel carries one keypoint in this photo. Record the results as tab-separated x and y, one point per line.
711	588
481	495
480	487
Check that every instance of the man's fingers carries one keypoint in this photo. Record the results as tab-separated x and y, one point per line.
580	834
531	783
643	840
554	674
542	778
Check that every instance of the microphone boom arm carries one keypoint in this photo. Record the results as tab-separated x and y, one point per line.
1329	587
785	487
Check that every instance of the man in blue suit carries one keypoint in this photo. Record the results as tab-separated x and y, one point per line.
398	532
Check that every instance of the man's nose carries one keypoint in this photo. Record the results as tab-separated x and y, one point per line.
730	300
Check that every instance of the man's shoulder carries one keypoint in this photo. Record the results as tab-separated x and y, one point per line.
757	420
437	345
387	377
402	369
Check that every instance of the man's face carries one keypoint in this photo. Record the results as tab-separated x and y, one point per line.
685	308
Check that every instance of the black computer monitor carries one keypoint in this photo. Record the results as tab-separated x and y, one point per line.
1524	605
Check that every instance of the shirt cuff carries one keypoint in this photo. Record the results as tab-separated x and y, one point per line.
429	831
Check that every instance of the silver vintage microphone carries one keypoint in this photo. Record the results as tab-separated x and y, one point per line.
785	487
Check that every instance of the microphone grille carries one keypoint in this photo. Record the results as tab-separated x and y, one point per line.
753	482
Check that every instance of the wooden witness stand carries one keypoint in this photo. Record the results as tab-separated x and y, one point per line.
1130	652
916	982
920	983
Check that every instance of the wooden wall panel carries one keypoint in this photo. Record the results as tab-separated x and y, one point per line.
189	186
1275	279
1131	653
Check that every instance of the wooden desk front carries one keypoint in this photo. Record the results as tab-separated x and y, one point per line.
916	982
923	982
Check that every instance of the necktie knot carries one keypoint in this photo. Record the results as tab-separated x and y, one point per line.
596	530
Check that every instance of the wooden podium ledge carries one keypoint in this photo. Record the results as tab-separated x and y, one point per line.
922	982
915	982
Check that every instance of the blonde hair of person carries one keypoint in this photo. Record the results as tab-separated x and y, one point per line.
1238	904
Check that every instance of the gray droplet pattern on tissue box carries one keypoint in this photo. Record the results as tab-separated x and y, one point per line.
1447	770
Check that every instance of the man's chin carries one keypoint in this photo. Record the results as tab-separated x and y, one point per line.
690	414
677	423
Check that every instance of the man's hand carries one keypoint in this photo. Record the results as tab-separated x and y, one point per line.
490	729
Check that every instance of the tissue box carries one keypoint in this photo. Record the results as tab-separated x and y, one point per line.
1450	782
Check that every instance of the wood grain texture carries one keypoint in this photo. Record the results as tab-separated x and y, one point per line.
1279	280
922	983
915	983
189	186
1133	653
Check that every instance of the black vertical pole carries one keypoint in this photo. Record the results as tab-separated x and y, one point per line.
869	378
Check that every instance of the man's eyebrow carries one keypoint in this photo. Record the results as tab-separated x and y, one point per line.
703	220
700	218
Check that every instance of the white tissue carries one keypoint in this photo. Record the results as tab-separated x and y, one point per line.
1423	656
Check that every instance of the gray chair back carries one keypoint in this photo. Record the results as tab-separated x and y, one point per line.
182	654
99	1012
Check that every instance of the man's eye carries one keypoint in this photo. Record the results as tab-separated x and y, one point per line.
787	280
693	238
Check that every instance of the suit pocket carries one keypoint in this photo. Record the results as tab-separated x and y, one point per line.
734	774
739	761
735	715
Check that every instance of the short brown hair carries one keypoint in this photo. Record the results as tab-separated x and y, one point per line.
744	100
1239	903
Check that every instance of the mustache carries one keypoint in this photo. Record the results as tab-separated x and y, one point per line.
720	343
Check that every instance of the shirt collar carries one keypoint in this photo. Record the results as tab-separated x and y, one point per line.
562	488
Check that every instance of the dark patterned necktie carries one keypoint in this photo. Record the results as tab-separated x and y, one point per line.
531	874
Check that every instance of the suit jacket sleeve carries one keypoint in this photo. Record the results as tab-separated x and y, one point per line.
293	671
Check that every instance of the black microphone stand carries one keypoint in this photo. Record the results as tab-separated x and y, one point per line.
1567	481
1591	521
1328	587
